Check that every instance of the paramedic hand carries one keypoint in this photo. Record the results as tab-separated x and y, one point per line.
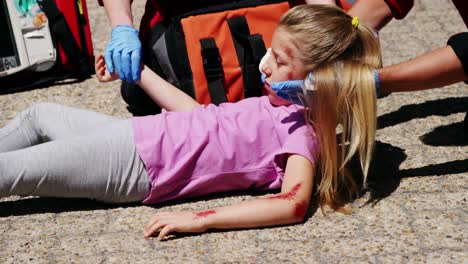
123	53
289	90
293	89
102	74
377	85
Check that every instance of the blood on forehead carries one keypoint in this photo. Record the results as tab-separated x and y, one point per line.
288	51
282	44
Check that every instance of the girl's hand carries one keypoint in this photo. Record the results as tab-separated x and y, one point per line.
102	73
168	222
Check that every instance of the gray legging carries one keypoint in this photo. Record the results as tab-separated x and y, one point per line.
58	151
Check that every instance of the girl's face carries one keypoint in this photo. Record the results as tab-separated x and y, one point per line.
282	65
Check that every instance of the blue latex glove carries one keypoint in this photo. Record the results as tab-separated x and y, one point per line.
288	90
377	83
124	52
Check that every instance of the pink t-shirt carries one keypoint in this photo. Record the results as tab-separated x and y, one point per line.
233	146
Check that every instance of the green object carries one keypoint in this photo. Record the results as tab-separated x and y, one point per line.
24	6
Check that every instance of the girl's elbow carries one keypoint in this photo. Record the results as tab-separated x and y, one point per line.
299	211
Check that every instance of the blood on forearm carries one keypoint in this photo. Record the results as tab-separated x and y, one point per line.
203	214
300	207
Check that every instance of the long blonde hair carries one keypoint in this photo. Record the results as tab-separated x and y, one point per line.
342	57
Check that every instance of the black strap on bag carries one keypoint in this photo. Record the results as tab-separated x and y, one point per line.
249	49
62	34
85	66
213	70
257	47
177	51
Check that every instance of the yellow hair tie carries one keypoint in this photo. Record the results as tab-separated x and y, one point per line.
355	22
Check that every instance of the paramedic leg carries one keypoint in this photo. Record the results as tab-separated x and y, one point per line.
45	122
102	165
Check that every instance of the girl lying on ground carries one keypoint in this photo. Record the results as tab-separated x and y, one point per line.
190	150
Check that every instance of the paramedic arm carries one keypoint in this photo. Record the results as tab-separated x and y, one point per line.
288	207
165	94
437	68
123	51
119	12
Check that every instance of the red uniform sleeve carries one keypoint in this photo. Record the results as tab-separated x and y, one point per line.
400	8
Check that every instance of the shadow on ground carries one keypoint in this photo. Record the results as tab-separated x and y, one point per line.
451	167
385	176
36	205
455	134
440	107
384	172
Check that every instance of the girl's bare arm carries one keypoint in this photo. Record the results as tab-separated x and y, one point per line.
288	207
165	94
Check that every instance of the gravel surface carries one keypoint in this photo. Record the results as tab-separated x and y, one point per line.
421	161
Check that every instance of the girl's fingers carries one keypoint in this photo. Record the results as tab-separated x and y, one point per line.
156	218
155	228
101	74
99	63
101	70
165	231
152	222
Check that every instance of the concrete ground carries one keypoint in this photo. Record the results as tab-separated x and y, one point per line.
421	163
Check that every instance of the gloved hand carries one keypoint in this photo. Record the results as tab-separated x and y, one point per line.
377	84
124	52
290	90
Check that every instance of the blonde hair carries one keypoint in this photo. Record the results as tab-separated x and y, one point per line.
342	58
